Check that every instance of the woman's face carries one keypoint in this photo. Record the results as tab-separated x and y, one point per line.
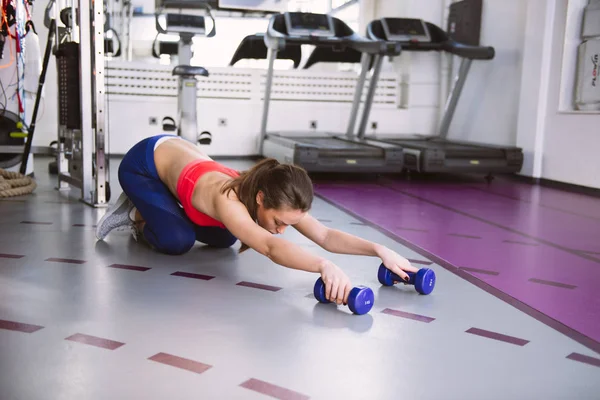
276	220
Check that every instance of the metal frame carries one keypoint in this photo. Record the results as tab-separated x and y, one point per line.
451	103
370	95
360	84
455	92
271	56
90	143
364	68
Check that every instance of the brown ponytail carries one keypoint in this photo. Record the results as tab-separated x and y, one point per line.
283	185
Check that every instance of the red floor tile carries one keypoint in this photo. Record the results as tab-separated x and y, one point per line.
129	267
259	286
19	326
65	260
179	362
4	255
193	276
498	336
403	314
95	341
584	359
275	391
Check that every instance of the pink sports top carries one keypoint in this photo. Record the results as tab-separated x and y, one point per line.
185	188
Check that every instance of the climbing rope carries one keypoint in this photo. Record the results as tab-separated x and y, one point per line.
15	184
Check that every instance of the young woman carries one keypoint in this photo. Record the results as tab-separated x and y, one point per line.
175	195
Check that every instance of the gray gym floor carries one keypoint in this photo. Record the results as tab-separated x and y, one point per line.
99	331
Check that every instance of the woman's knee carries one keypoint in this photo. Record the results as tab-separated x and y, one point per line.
215	236
173	242
225	241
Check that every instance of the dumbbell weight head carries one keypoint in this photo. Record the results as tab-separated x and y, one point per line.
360	299
423	280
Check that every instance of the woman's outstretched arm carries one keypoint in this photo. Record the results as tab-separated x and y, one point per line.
337	241
235	217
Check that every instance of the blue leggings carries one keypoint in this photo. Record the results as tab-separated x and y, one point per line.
168	229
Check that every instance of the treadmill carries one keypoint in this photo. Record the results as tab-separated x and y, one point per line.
253	47
326	152
438	153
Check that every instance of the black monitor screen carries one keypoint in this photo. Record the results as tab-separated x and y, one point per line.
405	26
405	30
309	22
186	4
182	20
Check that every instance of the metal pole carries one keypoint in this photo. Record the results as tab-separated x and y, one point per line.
457	88
101	137
271	56
360	84
129	38
86	52
370	95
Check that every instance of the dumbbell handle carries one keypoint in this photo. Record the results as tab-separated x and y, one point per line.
360	299
411	276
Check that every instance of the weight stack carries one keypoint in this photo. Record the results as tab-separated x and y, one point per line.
69	104
587	89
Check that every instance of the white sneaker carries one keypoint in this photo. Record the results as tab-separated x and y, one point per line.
115	217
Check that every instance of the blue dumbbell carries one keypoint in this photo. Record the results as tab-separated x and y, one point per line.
423	280
360	299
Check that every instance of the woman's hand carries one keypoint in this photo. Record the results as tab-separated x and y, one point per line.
395	262
337	283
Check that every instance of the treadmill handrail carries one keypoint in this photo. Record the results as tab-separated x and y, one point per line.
443	42
253	47
275	39
469	51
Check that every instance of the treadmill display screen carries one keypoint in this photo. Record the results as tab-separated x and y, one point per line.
186	23
405	29
303	24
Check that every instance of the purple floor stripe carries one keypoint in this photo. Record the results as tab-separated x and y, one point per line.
551	283
411	229
84	225
519	242
464	236
403	314
129	267
584	359
518	304
36	223
19	326
498	336
421	262
65	260
193	276
259	286
481	271
2	255
590	252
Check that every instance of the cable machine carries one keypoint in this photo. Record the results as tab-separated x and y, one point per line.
81	156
